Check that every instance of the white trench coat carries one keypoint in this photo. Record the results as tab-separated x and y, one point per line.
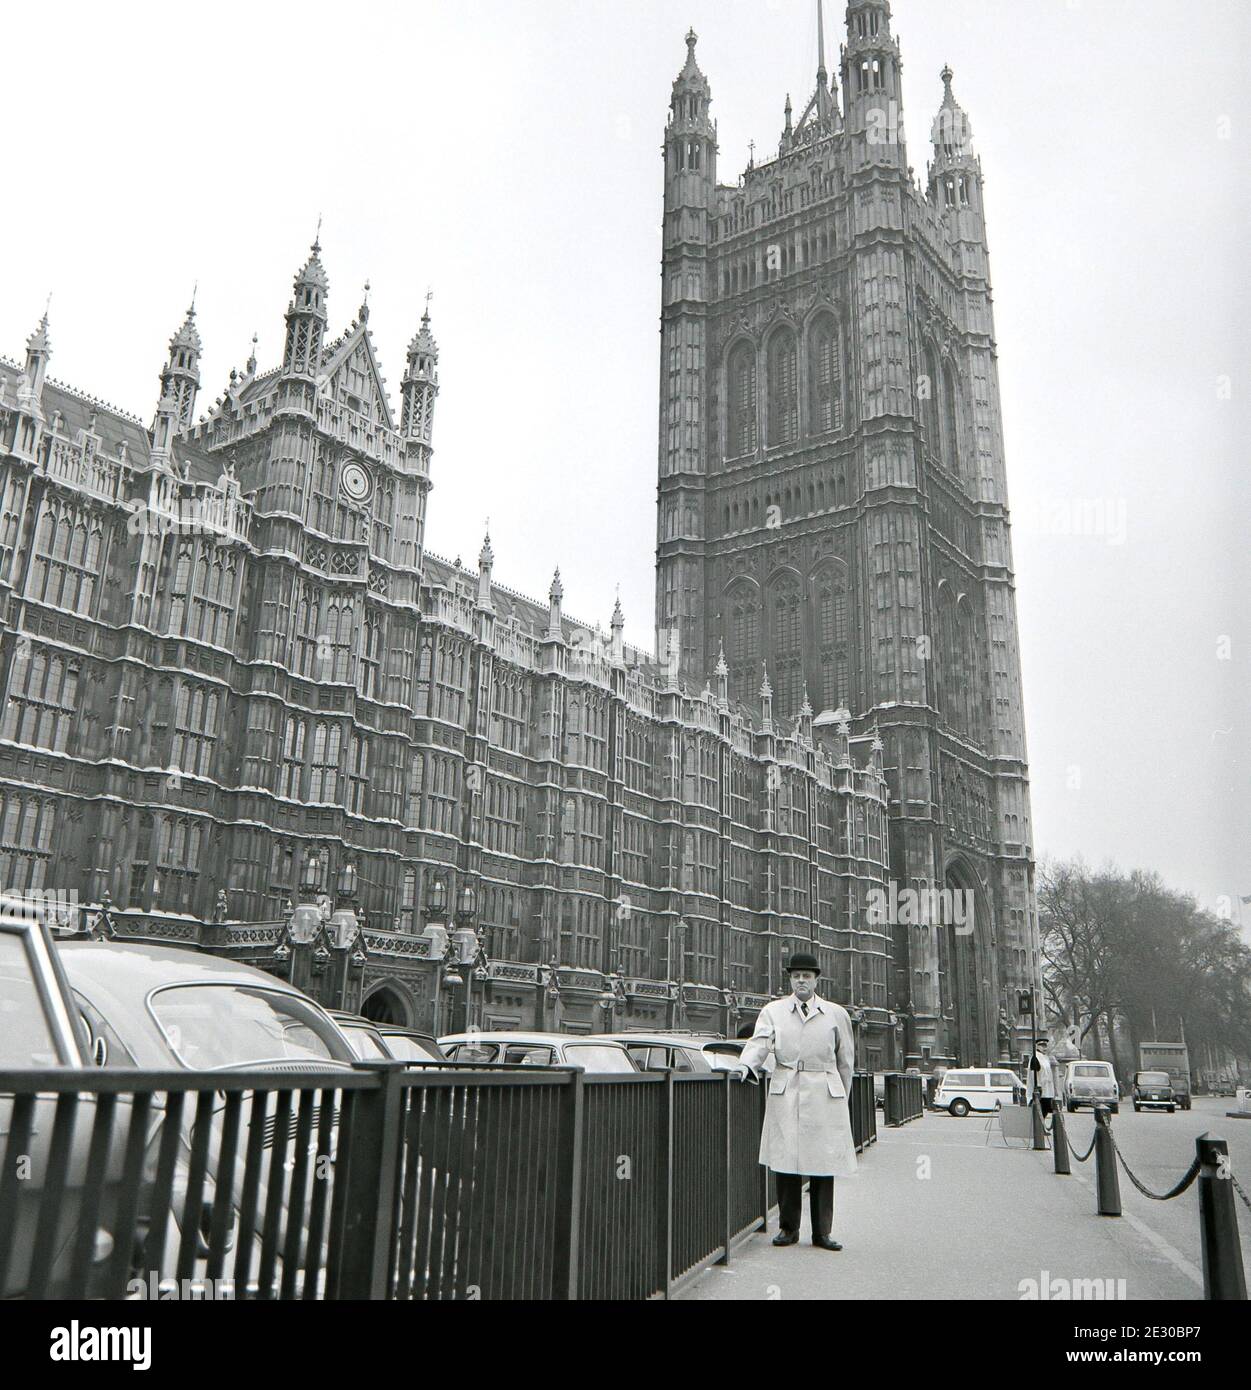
807	1126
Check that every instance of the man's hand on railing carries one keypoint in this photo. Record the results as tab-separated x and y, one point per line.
742	1072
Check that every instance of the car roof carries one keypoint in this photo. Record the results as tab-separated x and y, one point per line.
136	966
657	1039
552	1039
116	977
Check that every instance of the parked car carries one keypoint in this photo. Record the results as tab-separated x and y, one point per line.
40	1029
539	1050
1092	1083
978	1089
162	1008
676	1052
1153	1090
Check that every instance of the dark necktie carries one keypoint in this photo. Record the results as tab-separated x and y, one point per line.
804	1007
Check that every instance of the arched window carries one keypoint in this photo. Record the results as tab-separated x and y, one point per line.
741	426
930	386
825	376
783	389
832	623
786	614
951	427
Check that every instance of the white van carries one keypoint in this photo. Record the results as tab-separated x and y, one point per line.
963	1090
1092	1083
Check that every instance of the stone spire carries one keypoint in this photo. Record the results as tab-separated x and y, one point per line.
180	377
306	317
555	594
766	701
723	676
38	353
486	562
418	389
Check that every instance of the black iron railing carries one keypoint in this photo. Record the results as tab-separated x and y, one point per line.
378	1182
904	1099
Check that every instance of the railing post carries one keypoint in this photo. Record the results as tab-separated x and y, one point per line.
1106	1180
1039	1129
665	1232
1060	1142
369	1217
1223	1275
728	1167
571	1140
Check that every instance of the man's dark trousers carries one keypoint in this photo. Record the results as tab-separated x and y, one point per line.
820	1202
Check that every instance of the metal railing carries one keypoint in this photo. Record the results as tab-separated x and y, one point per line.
378	1182
904	1099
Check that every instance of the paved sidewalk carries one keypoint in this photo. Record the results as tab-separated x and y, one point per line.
983	1220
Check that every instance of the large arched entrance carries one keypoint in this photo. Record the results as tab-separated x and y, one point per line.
965	967
386	1005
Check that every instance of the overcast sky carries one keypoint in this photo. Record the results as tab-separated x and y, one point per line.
506	155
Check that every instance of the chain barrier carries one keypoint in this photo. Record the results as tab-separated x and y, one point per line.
1187	1178
1081	1158
1239	1191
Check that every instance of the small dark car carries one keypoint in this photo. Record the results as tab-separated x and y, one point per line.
1153	1090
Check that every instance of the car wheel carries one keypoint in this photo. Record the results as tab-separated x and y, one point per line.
960	1107
1137	1108
1070	1107
1171	1109
1114	1109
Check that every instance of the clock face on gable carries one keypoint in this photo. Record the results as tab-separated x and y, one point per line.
355	482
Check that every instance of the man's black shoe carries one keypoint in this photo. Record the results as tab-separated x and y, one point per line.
826	1243
786	1238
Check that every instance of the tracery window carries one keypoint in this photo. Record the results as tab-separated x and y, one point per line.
741	434
825	387
783	389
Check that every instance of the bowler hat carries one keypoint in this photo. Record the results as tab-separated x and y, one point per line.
803	961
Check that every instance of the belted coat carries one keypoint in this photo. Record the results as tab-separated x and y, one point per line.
807	1127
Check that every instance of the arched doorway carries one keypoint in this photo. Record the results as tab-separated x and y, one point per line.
386	1005
965	967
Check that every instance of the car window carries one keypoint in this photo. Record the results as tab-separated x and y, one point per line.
682	1060
963	1078
598	1057
1091	1069
26	1038
528	1055
1003	1078
1153	1078
227	1025
116	1053
473	1052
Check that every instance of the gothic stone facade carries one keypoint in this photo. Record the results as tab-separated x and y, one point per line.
833	498
225	646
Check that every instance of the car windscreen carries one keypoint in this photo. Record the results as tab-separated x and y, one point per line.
26	1038
1153	1078
406	1049
229	1025
597	1057
366	1045
1090	1069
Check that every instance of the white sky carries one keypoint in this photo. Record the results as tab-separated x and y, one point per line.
507	155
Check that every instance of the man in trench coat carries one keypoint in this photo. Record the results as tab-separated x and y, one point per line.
807	1128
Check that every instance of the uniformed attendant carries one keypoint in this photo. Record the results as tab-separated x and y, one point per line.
1044	1077
807	1127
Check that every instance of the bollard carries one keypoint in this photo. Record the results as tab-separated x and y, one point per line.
1059	1142
1106	1180
1223	1275
1040	1131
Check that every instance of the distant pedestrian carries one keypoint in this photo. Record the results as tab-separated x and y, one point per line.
1044	1077
807	1127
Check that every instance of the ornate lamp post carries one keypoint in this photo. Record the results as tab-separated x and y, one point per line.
469	952
440	944
612	994
343	930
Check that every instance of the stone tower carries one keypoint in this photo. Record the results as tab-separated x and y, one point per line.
833	500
